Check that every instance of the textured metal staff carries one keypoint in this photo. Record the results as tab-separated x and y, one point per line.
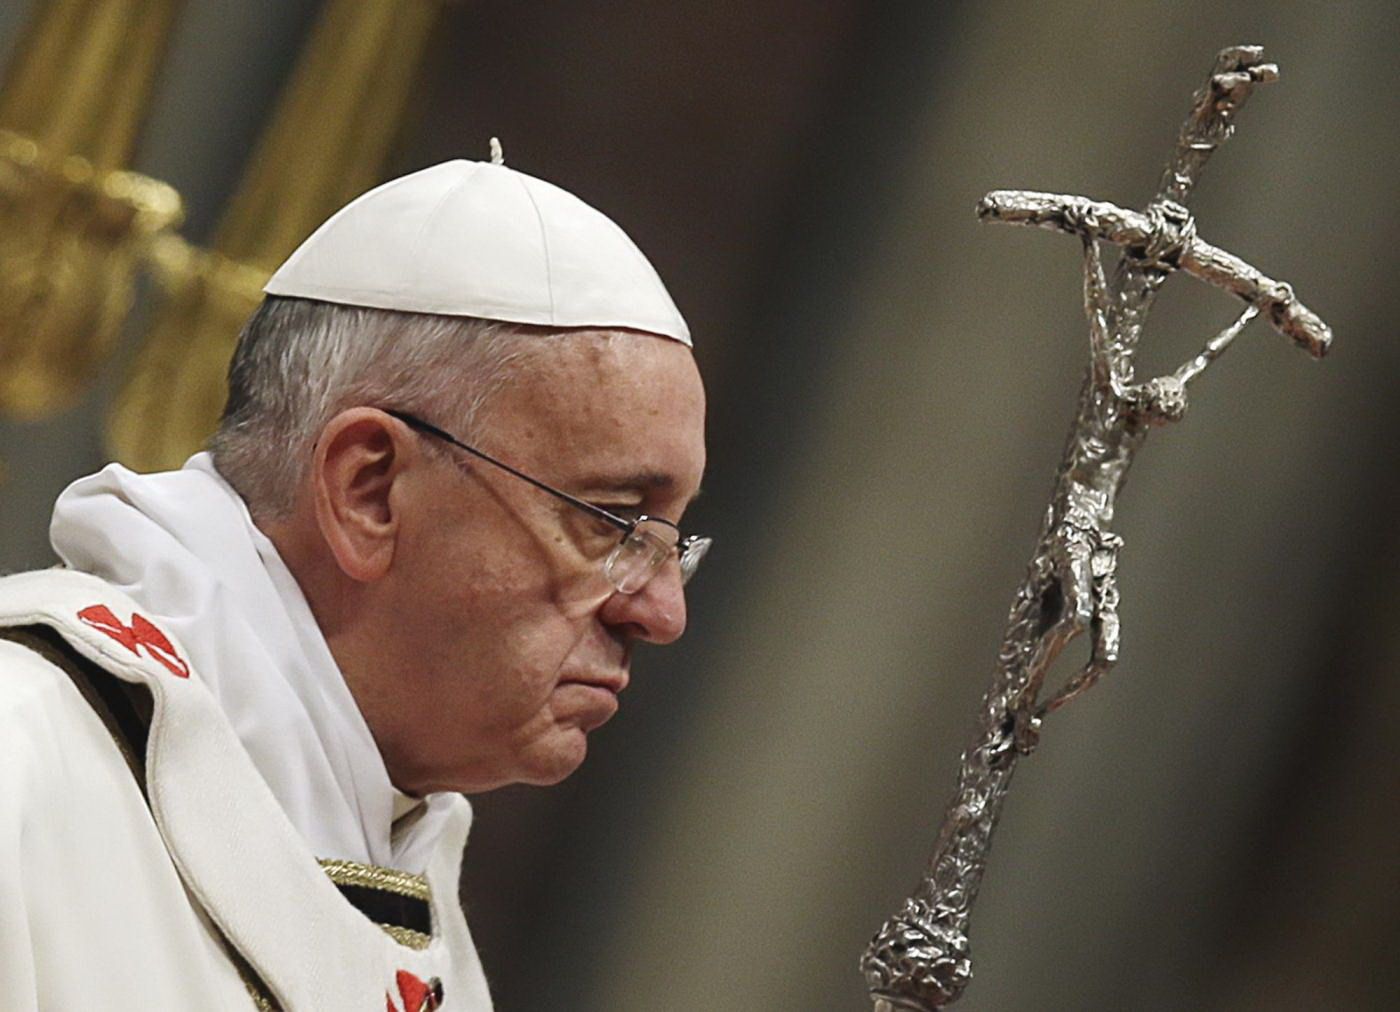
920	957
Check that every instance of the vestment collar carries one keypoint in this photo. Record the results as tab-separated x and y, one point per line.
183	546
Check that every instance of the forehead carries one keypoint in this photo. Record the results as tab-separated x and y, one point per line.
605	403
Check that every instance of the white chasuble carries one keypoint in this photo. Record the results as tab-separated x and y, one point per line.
165	875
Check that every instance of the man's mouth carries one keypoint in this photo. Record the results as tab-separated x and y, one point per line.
613	682
602	702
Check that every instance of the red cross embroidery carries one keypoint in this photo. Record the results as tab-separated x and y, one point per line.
141	633
417	996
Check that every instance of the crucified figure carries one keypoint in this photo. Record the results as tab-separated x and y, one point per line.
1084	553
919	960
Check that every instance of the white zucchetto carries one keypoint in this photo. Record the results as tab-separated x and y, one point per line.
479	239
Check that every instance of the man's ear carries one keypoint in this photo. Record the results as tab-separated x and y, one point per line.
360	455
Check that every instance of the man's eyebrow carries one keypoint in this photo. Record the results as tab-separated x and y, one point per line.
647	481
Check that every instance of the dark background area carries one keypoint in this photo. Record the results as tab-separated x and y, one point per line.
1213	827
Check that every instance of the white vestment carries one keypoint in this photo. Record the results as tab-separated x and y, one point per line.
183	545
111	899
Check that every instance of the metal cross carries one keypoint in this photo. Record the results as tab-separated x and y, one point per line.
920	958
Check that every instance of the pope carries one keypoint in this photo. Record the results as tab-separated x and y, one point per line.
442	506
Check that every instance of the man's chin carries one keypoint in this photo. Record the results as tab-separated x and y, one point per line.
562	758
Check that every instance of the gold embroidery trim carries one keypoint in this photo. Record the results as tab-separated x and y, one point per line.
407	936
353	873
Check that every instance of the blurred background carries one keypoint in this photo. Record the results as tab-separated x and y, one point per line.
890	383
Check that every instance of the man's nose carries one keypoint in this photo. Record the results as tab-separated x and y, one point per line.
655	614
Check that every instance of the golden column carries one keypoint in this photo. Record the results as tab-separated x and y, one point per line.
327	142
73	222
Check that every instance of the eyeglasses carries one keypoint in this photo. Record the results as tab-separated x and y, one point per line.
647	542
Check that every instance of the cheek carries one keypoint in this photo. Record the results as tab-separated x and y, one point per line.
487	629
491	649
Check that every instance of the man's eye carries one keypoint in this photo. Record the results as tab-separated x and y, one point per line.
602	529
630	511
596	529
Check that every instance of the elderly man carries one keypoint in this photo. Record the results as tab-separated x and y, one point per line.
440	510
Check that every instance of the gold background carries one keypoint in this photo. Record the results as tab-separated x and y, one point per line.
1214	826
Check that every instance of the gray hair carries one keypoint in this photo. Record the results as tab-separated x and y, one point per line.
299	362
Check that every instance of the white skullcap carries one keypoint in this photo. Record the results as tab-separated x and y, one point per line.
478	239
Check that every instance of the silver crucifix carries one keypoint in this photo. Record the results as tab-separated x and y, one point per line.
920	957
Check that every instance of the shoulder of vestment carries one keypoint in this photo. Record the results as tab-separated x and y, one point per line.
240	858
98	621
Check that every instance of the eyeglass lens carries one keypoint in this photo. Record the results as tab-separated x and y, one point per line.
638	556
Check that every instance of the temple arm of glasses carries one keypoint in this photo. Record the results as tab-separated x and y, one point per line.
414	422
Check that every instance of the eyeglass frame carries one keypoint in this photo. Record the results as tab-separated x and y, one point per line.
687	547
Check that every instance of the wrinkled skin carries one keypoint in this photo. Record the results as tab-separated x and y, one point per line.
467	608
